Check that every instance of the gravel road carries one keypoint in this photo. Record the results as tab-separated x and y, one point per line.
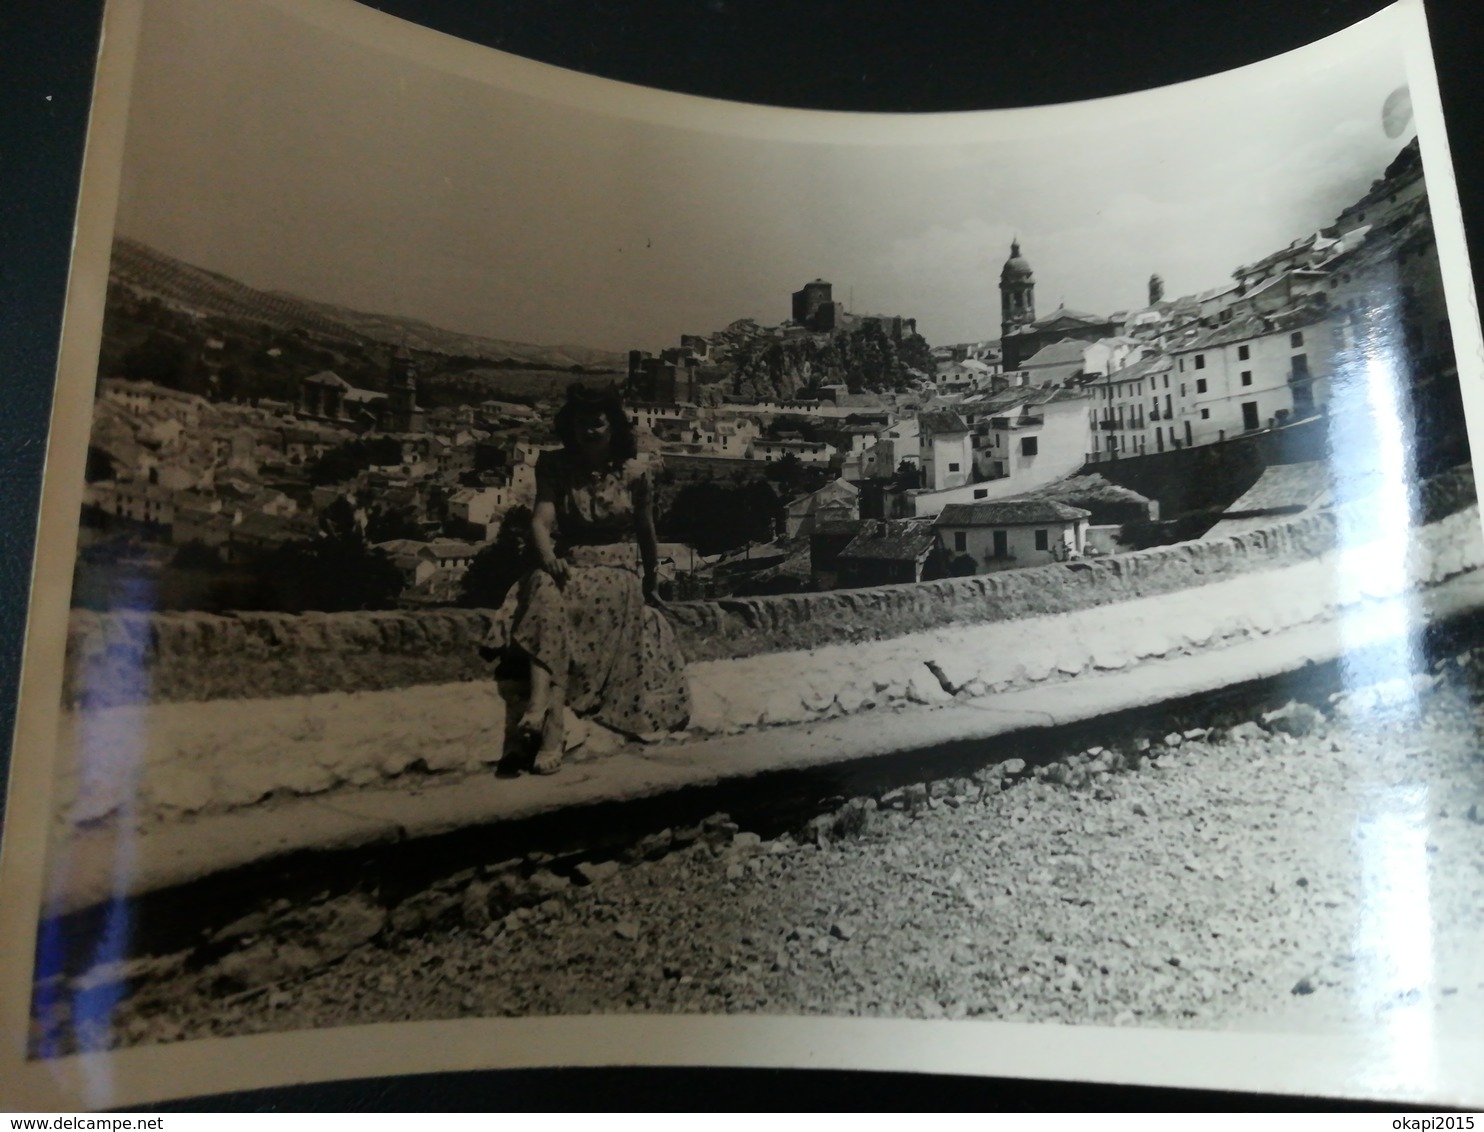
1244	879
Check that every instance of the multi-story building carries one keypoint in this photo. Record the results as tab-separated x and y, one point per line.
730	438
480	508
946	452
1389	288
1303	253
1029	438
1129	406
667	421
770	448
1109	354
1056	363
146	396
1255	372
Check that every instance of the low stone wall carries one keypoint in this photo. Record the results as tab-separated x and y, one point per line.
731	629
115	659
126	658
145	765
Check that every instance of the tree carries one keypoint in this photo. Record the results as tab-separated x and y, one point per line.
100	466
196	555
336	465
908	476
161	358
501	564
384	524
338	520
346	461
436	505
963	566
936	566
232	383
715	518
331	573
763	511
788	473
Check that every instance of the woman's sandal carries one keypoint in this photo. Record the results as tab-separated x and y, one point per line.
547	762
531	726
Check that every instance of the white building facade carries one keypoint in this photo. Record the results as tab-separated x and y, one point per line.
1012	534
1254	373
946	452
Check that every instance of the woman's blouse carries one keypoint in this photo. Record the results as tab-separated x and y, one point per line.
592	509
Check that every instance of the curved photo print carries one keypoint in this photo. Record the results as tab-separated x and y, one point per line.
538	571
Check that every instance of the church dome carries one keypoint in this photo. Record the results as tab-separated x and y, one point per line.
1016	267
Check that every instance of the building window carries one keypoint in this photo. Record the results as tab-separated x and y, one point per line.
1182	365
1200	361
1028	446
960	541
1301	367
1200	385
1001	544
1243	353
1042	542
953	467
1249	415
979	493
1205	414
1246	377
1296	338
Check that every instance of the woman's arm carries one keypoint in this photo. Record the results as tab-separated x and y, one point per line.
649	546
543	520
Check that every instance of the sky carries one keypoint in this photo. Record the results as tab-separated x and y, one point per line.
410	174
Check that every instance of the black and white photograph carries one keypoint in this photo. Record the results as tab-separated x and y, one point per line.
521	548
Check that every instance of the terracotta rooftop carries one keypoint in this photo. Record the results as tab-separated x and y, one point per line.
892	540
940	421
1008	512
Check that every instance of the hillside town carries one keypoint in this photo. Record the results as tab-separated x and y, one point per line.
832	449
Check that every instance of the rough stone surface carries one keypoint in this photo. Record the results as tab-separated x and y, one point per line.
1246	733
1197	895
594	872
1294	719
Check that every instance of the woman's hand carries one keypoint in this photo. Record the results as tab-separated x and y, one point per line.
555	567
652	595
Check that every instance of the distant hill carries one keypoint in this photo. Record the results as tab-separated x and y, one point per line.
148	273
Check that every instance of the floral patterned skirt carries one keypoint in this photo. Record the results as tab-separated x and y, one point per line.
616	656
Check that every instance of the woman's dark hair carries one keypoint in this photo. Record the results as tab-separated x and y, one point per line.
622	444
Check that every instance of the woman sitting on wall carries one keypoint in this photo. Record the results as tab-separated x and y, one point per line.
588	617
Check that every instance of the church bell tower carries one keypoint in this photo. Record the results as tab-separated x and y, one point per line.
1017	293
404	414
